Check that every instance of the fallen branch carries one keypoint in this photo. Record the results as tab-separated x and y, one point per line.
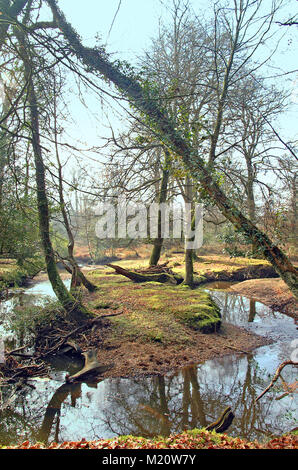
162	277
91	366
223	422
276	375
236	349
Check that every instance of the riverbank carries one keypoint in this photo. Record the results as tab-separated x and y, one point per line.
12	275
151	327
160	380
272	292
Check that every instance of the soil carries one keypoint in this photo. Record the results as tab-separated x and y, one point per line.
138	359
272	292
136	356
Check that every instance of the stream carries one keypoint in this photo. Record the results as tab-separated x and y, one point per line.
48	409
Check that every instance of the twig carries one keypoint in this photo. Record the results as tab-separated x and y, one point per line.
14	351
276	375
79	328
236	349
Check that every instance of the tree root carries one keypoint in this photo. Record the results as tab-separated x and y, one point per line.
59	340
92	366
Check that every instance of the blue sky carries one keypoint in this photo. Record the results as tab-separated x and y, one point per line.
135	24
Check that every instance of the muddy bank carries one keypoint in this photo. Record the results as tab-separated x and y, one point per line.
272	292
134	359
237	274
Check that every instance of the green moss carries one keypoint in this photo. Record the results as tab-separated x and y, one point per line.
204	317
155	312
102	304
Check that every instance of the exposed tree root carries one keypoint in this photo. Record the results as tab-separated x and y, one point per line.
92	366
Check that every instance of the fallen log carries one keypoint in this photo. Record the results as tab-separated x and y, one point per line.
92	366
163	277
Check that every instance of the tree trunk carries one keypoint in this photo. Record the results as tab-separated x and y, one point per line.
75	310
251	199
188	280
162	125
163	193
189	252
8	12
162	277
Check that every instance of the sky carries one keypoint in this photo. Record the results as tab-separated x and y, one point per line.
127	26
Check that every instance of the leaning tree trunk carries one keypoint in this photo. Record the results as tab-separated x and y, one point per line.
74	308
163	194
251	199
163	126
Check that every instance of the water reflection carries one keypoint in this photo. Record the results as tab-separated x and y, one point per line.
11	308
50	409
255	316
150	406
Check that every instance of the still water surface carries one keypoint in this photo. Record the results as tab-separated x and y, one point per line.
49	409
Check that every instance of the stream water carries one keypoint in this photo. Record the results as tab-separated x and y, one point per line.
49	409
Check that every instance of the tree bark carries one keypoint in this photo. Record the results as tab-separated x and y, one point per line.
74	308
137	277
9	12
162	125
163	194
189	252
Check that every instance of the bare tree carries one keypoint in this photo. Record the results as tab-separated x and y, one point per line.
162	125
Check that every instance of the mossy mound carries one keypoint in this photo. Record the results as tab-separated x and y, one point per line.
204	316
156	312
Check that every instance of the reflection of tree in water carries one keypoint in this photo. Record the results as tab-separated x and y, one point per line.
44	414
194	398
9	312
18	420
150	406
240	310
54	410
235	309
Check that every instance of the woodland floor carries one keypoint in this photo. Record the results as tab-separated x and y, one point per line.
146	335
146	338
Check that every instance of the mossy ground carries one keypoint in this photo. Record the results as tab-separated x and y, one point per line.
223	268
10	273
154	311
156	327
